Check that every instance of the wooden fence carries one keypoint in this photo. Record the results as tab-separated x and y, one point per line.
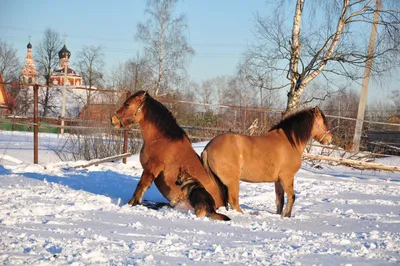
226	118
384	139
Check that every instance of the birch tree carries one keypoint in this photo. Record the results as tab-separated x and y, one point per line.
165	43
331	42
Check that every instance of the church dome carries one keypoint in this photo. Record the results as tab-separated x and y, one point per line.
64	52
29	46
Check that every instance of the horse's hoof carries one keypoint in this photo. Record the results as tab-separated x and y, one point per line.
286	215
238	209
134	202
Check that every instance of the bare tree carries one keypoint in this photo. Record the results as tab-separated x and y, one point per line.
341	104
90	64
396	100
324	48
132	75
165	43
205	93
261	80
46	57
10	66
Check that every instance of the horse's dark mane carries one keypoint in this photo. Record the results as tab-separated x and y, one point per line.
298	126
157	114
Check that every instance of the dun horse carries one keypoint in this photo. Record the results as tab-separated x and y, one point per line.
274	157
166	148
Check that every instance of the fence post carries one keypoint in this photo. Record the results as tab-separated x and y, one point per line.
125	148
36	124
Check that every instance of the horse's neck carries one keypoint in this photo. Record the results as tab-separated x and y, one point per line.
149	132
301	147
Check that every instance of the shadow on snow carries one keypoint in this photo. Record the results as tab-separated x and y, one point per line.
107	183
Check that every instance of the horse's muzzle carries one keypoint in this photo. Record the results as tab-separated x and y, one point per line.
115	122
327	139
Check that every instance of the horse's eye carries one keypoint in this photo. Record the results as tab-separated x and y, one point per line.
126	105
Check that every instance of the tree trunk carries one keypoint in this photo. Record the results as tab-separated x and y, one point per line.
295	46
294	96
299	81
160	59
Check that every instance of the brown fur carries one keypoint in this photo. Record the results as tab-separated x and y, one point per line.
274	157
166	148
198	197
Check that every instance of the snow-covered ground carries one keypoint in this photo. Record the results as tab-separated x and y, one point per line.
51	214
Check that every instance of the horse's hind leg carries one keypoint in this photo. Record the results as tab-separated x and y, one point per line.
279	193
233	195
287	184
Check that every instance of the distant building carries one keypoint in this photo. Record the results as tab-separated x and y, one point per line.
28	73
58	75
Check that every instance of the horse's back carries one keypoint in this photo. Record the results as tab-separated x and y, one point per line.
250	158
225	156
225	148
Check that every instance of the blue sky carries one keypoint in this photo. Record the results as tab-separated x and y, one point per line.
218	30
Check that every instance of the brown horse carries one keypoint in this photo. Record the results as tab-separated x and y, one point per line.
166	148
274	157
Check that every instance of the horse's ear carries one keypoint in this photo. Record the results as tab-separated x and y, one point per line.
316	109
128	94
143	96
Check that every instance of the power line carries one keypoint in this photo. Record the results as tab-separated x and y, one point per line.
98	38
130	51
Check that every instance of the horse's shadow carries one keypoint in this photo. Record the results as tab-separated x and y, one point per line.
4	171
117	186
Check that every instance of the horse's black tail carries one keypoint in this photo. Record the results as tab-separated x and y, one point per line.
219	216
222	187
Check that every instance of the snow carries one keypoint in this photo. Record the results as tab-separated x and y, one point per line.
52	214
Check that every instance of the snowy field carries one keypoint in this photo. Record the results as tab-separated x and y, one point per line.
52	214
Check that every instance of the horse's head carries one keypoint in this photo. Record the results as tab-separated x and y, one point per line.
130	111
320	130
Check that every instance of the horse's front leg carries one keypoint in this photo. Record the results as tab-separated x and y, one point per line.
145	182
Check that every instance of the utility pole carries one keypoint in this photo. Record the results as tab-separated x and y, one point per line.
367	73
64	91
64	96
